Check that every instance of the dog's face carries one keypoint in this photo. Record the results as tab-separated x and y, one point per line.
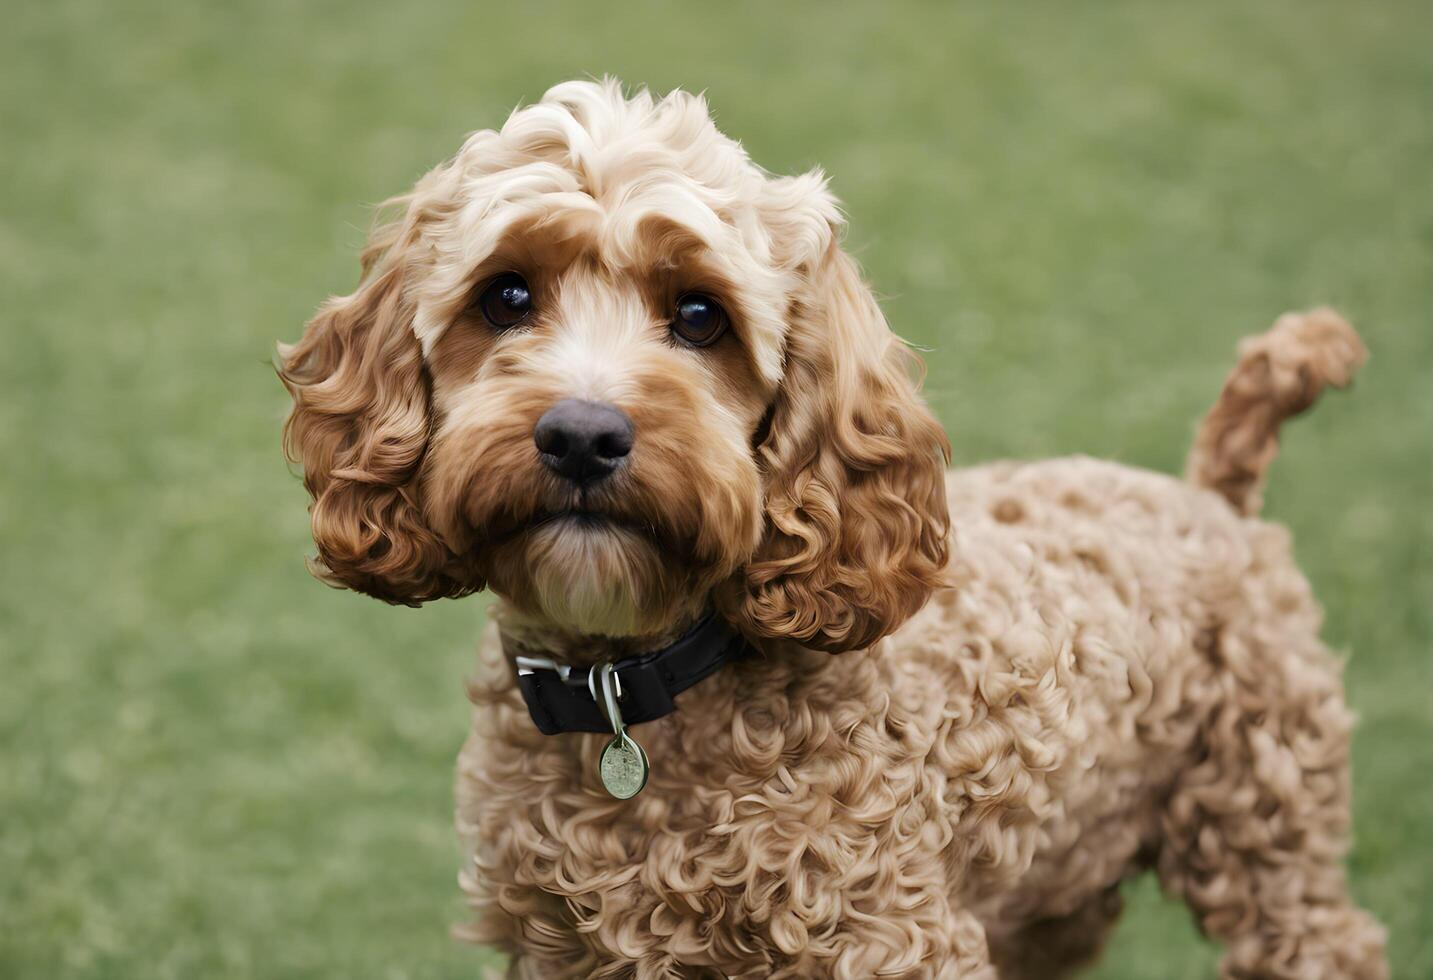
606	366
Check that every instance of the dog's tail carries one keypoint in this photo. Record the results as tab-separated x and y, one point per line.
1280	373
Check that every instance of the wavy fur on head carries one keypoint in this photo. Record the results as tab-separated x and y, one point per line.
812	498
1056	674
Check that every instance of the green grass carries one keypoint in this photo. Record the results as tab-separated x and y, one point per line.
212	766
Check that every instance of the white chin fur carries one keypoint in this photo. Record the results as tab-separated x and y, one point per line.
593	578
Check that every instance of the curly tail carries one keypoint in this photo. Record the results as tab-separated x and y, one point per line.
1280	374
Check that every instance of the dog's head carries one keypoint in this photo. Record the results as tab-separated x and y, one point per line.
605	365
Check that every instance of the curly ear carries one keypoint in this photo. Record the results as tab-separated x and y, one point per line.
359	428
856	515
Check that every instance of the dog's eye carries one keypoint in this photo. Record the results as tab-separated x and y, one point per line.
699	321
506	301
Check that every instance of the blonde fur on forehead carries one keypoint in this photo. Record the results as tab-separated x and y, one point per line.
590	163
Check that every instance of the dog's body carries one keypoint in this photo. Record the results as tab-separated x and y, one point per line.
607	367
1123	673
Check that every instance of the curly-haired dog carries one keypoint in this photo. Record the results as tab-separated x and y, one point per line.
604	365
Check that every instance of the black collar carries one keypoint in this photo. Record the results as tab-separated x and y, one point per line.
559	697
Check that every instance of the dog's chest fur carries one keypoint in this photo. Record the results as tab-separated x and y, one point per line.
999	753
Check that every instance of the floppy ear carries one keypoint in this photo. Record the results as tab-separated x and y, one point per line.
854	464
359	427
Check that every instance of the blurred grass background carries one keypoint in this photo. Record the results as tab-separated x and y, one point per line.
211	765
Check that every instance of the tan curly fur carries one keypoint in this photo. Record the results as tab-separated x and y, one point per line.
1052	675
1280	374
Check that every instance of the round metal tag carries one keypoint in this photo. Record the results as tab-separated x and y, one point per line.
624	767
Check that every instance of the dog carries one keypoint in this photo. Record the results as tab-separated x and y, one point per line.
766	691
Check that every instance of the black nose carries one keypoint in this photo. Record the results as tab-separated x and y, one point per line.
583	441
